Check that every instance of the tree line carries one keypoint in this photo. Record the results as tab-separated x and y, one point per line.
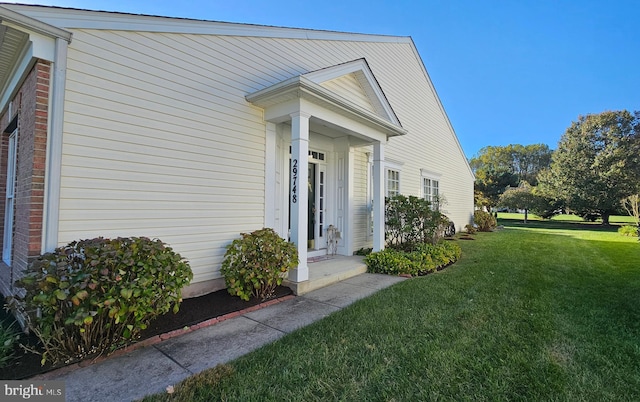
593	173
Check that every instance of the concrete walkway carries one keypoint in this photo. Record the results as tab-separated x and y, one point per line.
151	369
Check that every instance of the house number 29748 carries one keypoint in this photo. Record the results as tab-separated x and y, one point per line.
294	181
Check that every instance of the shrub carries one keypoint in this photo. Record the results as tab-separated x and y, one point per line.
628	230
255	264
410	221
93	296
389	261
363	251
440	255
424	259
8	339
485	221
470	229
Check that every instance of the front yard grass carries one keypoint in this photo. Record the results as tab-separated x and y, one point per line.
546	311
613	219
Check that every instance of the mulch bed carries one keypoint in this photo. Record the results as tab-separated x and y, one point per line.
192	311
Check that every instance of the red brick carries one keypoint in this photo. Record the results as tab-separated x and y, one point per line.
231	315
173	334
31	100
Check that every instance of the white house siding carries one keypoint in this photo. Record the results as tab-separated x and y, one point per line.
157	145
361	214
159	140
349	88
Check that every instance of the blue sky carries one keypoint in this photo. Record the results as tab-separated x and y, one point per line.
507	72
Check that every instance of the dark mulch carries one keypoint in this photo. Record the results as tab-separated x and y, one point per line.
192	311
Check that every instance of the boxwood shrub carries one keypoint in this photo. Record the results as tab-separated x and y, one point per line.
93	296
629	230
426	258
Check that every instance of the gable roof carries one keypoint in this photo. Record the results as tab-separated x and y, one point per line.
75	18
302	86
17	33
69	18
367	81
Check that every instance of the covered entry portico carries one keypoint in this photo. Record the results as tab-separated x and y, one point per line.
341	105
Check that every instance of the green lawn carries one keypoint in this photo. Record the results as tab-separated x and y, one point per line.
614	219
545	311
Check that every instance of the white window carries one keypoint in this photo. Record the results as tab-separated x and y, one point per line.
430	190
10	193
392	173
393	182
431	187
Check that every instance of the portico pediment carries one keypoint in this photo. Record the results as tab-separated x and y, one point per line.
355	82
346	95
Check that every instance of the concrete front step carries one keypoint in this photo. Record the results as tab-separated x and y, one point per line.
328	271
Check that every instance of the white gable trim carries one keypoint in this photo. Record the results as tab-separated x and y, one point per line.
23	21
444	113
302	88
70	18
365	77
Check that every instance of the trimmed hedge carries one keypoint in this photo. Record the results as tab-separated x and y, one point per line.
425	259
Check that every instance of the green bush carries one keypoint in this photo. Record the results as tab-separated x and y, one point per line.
470	229
93	296
628	230
389	261
363	251
255	264
435	256
8	339
410	221
485	221
424	259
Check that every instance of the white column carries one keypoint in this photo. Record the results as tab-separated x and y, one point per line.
299	192
54	148
378	196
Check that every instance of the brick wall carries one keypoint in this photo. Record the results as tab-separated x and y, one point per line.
31	104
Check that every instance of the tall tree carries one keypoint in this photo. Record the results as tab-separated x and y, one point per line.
597	163
529	160
500	167
632	205
520	197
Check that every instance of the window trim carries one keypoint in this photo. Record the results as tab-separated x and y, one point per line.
432	177
391	166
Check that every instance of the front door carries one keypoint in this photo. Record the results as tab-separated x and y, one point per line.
317	203
317	175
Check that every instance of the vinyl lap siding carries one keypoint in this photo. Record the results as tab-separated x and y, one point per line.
159	140
156	145
361	211
349	88
430	143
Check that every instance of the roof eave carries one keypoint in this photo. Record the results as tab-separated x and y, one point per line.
33	24
303	87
